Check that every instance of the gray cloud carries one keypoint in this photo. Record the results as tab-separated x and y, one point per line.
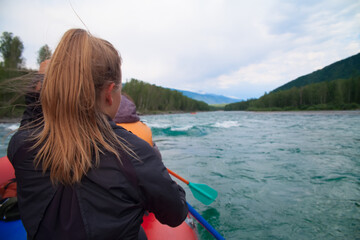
226	47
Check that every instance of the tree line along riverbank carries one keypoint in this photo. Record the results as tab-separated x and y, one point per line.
342	94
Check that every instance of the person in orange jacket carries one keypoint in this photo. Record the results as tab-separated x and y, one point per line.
128	118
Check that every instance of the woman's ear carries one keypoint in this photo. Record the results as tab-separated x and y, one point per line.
108	95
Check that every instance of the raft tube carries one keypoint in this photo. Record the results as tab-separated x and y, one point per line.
7	171
156	231
14	230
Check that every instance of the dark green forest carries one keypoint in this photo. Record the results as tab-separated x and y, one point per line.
344	69
152	99
342	94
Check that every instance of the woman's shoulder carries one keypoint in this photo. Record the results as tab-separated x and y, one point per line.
20	143
19	138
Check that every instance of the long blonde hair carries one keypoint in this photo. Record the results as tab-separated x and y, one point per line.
74	128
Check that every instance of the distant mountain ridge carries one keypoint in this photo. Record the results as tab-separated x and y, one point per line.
335	87
343	69
209	98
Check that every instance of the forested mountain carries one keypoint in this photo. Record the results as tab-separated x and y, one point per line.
344	69
342	94
336	86
151	99
208	98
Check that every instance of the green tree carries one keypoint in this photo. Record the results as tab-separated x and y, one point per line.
11	49
151	98
44	53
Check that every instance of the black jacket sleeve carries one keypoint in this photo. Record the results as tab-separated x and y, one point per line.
162	195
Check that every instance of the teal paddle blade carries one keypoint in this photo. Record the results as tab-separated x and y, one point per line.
203	193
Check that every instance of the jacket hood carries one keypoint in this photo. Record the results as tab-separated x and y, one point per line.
127	111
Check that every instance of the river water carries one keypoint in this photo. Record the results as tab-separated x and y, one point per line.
279	175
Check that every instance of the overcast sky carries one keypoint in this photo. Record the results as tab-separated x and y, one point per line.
233	48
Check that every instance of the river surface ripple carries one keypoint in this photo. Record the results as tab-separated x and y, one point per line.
280	175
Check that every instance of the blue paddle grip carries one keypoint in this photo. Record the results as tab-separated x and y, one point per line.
204	223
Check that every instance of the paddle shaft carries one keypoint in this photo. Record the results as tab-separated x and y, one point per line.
178	176
204	223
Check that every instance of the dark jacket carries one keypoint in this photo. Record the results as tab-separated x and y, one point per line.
108	203
33	112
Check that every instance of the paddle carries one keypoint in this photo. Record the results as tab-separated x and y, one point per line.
201	192
204	223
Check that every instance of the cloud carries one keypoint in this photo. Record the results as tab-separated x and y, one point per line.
320	38
225	47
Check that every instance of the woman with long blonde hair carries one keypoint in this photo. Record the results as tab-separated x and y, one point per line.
79	175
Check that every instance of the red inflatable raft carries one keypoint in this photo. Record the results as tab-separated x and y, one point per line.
14	230
155	230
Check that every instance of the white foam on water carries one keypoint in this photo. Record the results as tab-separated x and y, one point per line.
12	127
157	125
227	124
183	128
